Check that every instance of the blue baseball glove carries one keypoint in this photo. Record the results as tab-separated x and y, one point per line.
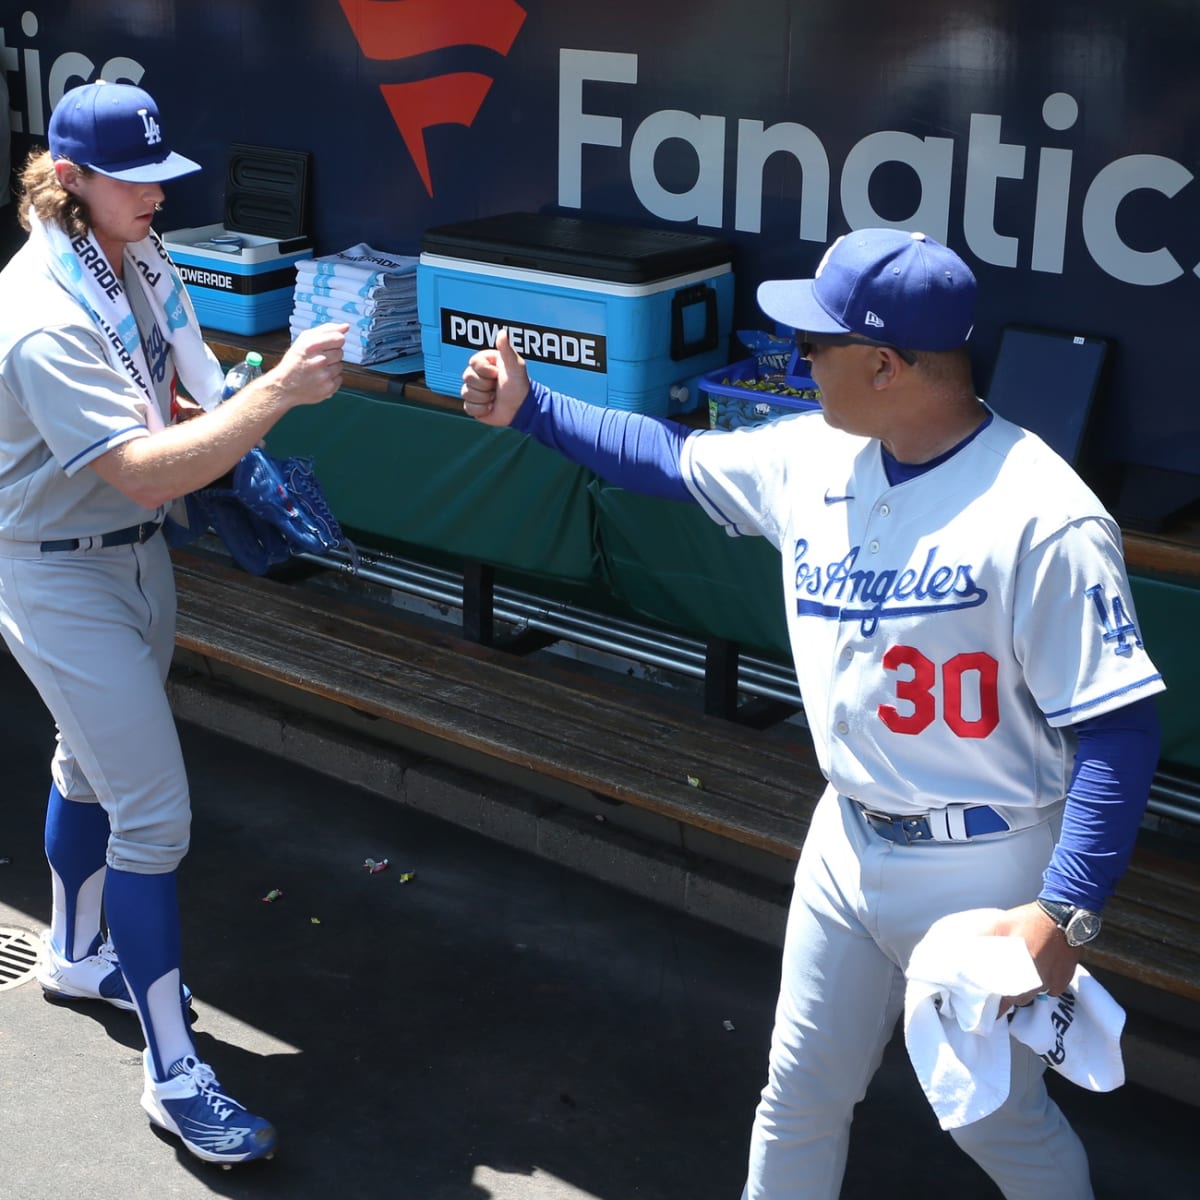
265	510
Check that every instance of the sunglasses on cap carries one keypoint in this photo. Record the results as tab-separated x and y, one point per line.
808	342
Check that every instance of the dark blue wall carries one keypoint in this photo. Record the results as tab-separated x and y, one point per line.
1051	142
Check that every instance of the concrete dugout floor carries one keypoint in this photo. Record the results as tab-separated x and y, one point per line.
497	1027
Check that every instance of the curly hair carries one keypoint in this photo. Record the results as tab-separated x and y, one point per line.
41	190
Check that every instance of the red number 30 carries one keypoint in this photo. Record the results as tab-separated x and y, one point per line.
917	689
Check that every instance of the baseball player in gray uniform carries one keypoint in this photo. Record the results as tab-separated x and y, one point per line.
971	668
95	333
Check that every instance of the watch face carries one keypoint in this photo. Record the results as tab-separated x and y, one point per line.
1082	928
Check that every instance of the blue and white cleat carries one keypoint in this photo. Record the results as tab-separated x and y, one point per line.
97	977
212	1125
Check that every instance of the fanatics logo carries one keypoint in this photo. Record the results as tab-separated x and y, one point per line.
153	132
406	29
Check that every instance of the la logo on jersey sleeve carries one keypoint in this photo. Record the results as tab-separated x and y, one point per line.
1119	631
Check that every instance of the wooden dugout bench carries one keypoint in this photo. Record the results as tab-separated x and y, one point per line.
756	787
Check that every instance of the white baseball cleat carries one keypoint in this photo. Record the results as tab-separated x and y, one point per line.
97	977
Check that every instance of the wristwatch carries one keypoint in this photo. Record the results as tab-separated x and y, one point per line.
1078	924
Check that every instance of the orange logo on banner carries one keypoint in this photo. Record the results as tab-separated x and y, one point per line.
398	29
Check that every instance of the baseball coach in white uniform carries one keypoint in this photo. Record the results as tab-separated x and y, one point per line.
969	659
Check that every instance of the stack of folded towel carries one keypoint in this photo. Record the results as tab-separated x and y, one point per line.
373	290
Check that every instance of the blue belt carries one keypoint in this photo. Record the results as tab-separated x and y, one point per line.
946	825
135	534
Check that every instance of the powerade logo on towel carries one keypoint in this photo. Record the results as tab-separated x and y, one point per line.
541	343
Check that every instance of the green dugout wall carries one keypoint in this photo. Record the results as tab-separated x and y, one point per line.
427	479
439	486
1167	612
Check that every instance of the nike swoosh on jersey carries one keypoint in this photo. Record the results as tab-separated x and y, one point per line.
837	499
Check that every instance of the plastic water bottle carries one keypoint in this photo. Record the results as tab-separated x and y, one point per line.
249	368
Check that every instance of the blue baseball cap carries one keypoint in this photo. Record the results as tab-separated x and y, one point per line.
901	288
115	129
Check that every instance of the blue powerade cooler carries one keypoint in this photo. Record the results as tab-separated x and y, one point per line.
619	316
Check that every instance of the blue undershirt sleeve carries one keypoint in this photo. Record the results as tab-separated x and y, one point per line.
1114	767
632	450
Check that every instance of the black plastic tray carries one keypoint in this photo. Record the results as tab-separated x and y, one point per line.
578	246
266	191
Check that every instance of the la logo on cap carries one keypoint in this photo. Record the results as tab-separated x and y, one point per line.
153	132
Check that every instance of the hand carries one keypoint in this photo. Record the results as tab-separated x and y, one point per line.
1054	959
311	369
495	383
184	408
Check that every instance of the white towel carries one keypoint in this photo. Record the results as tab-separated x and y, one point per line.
81	268
366	351
359	267
1077	1033
400	289
959	1047
365	337
316	314
347	302
373	290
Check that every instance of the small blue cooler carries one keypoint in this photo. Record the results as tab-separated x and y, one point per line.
248	290
619	316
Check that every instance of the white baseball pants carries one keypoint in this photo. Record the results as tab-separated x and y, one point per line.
860	905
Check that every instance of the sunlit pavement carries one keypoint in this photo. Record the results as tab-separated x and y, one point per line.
493	1026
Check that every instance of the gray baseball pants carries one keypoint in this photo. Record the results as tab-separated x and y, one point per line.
860	905
94	630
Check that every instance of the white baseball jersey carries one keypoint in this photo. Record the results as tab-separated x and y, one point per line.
946	631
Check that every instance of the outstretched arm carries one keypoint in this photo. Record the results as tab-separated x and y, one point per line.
634	451
164	465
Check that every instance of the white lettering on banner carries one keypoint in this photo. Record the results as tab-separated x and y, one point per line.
66	71
988	160
587	351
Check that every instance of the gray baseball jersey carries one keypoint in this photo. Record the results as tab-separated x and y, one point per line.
946	631
93	628
62	405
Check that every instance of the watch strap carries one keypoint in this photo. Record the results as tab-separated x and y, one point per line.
1057	910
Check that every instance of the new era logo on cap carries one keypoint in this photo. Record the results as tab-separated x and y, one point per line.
887	284
115	129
